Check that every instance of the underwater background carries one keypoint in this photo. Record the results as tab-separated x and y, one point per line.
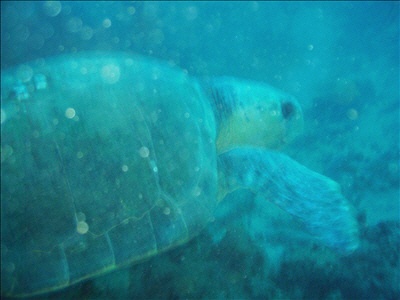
339	59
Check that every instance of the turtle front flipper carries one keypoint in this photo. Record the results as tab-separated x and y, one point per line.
315	200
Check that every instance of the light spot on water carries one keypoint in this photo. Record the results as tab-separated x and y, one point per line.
36	41
129	62
352	114
125	168
110	73
131	10
24	73
167	211
81	217
187	115
154	166
70	113
82	227
144	152
310	47
197	191
52	8
21	33
40	81
79	154
157	37
107	23
83	70
35	134
74	24
191	13
86	33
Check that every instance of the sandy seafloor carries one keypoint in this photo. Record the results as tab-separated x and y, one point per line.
340	59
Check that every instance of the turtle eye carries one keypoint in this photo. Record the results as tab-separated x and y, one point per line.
288	109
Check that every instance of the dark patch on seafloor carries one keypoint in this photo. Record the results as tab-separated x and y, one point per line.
237	267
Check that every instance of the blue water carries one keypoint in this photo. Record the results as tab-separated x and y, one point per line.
341	61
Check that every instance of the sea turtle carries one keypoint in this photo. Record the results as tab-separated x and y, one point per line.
108	159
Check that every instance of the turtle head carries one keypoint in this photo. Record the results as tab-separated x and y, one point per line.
253	114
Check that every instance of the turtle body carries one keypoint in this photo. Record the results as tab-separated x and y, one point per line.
109	159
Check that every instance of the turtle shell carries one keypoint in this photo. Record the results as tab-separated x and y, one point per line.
106	160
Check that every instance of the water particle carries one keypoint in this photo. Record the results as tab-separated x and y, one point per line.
352	114
86	33
81	217
74	24
125	168
24	73
131	10
70	113
197	191
36	134
110	73
153	166
82	227
144	152
191	13
40	81
52	8
107	23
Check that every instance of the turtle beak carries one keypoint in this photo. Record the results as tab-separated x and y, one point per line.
293	116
